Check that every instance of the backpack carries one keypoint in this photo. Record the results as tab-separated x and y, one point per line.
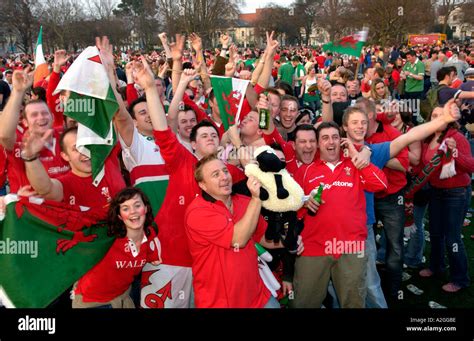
431	101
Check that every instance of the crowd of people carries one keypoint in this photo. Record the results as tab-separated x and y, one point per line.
175	193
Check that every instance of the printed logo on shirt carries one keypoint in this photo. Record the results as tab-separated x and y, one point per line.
46	159
338	184
127	264
105	193
348	171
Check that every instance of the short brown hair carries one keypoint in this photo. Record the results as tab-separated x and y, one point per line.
34	101
349	111
200	164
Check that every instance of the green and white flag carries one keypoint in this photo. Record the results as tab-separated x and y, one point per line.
92	104
44	248
351	45
230	94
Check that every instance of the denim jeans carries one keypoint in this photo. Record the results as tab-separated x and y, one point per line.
391	211
272	304
447	212
375	297
416	244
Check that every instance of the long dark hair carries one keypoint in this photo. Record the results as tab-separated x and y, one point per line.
116	227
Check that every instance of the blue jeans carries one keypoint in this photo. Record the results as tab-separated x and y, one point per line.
416	244
391	211
375	297
447	212
272	304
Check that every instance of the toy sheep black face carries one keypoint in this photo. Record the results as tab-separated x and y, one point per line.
269	162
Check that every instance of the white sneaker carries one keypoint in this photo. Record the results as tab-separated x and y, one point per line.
405	276
414	289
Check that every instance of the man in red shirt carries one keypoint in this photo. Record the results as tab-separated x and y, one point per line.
174	275
335	237
219	229
38	120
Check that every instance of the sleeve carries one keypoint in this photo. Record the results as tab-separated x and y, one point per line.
154	247
200	114
380	154
206	225
275	137
420	69
236	173
132	93
258	89
131	154
171	150
464	161
373	179
259	230
382	117
53	100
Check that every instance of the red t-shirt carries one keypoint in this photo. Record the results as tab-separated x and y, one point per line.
396	179
342	217
54	164
53	100
223	277
181	191
114	274
80	190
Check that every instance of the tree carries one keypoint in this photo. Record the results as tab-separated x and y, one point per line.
199	16
101	9
306	12
391	20
468	12
334	16
141	17
18	16
446	8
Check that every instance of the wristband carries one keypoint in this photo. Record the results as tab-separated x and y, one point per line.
22	156
327	102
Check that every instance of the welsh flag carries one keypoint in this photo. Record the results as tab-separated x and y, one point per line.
92	103
41	67
351	45
230	94
44	248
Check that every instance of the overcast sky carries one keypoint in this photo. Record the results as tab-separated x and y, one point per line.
252	5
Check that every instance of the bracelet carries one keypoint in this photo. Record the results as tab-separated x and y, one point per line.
224	48
327	102
22	156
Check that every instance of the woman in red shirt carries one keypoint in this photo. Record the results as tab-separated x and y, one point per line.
107	284
448	205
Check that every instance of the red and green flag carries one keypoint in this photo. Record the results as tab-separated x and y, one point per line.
351	45
230	94
44	248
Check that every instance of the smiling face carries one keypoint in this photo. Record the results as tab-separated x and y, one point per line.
216	179
186	122
338	94
288	113
305	146
142	119
356	127
38	119
80	164
329	144
133	213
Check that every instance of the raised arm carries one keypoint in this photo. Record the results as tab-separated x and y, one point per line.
324	87
187	76
145	78
196	43
177	55
122	119
164	42
270	51
245	227
450	114
22	80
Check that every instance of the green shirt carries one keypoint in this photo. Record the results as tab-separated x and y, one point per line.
285	73
299	72
411	84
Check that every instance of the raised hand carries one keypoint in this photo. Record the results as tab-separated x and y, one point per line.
177	47
225	40
188	75
32	144
22	79
163	38
196	42
143	74
254	187
230	69
272	45
60	59
324	87
106	52
451	112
